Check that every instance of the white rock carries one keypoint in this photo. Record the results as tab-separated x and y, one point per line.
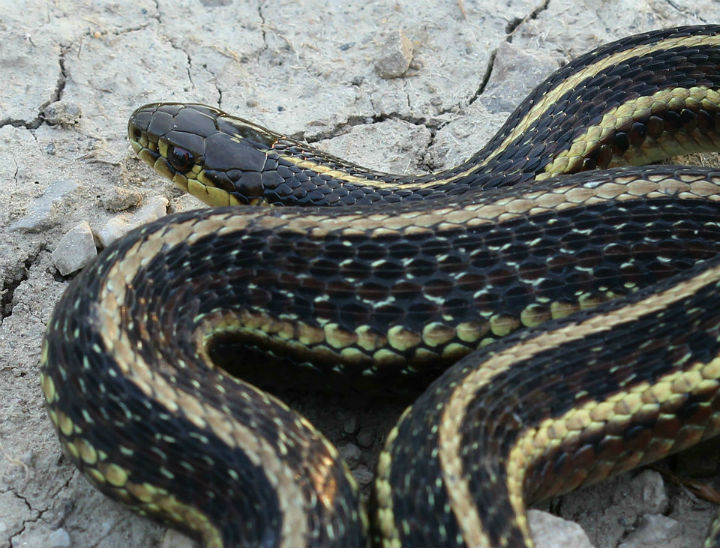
656	531
397	54
75	250
42	214
59	538
651	487
175	539
549	531
154	208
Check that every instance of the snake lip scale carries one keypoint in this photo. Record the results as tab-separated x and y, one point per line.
561	301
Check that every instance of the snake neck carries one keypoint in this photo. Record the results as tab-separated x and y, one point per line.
605	109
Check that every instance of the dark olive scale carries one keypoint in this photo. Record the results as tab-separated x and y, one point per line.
655	126
253	163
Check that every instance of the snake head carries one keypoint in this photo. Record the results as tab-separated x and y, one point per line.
218	158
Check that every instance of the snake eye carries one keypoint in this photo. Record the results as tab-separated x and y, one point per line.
180	159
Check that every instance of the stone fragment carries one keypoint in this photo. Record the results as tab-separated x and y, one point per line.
75	250
366	437
549	531
59	538
651	489
154	208
656	531
43	213
121	198
396	57
350	424
62	113
363	475
175	539
351	454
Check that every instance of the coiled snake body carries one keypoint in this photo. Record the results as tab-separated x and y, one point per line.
582	307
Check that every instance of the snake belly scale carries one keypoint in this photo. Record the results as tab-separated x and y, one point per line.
569	315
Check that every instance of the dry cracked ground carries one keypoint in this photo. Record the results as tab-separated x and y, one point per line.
402	86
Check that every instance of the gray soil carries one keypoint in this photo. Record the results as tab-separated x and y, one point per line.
401	86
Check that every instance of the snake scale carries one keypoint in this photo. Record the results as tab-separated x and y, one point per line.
562	304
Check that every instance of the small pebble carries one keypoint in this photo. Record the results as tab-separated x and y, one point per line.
154	208
62	113
75	250
120	199
363	475
397	54
59	538
656	531
549	531
350	424
175	539
350	453
43	213
366	437
651	487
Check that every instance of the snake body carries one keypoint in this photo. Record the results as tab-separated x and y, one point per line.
581	307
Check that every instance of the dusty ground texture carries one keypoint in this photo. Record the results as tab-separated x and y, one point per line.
73	71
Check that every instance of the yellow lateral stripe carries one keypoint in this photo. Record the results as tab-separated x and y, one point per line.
504	208
570	160
552	432
449	435
552	96
119	342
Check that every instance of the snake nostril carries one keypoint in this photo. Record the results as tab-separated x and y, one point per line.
136	133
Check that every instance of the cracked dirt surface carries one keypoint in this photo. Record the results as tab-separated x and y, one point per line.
74	70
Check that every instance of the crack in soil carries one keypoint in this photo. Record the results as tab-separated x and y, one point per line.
353	121
62	77
485	79
513	25
685	11
262	25
56	95
23	524
12	281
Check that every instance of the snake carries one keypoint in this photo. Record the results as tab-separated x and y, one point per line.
554	300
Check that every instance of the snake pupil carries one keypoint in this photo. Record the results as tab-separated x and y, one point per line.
180	159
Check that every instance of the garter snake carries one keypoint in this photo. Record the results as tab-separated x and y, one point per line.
581	306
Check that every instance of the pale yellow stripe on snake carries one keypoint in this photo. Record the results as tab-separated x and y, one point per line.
449	436
697	379
571	159
500	210
572	81
173	398
535	113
